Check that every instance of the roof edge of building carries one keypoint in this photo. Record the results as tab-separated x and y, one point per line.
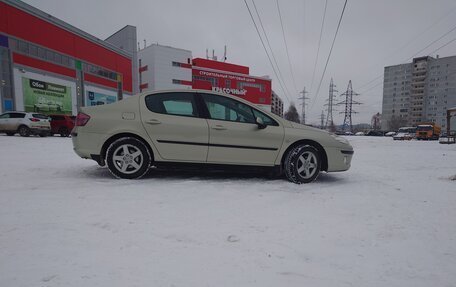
164	46
64	25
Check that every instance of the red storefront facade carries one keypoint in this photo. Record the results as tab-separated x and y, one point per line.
35	45
231	79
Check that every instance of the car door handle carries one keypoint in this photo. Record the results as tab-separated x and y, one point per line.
153	122
219	127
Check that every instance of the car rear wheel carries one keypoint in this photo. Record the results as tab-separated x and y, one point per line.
128	158
64	132
302	164
24	131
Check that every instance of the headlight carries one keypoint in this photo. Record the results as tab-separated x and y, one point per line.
340	139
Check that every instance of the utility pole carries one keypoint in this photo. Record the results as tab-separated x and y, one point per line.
330	105
303	104
349	102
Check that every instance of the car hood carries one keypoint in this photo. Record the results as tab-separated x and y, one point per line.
322	136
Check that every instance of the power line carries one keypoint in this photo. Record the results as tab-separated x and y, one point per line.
441	47
433	42
319	43
270	48
329	55
286	46
264	46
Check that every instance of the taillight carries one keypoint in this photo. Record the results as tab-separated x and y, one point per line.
34	120
82	119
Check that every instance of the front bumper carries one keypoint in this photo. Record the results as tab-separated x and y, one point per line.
339	159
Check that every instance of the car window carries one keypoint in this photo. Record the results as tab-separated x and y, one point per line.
226	109
17	115
57	118
180	104
266	119
40	116
5	116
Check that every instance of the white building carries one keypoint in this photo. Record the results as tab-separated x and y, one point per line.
164	67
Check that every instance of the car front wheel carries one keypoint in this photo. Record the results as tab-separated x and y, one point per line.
128	158
302	164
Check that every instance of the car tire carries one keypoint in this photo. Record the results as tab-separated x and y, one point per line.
64	132
302	164
10	134
43	135
128	158
24	131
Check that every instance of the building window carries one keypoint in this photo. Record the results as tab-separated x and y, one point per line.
261	87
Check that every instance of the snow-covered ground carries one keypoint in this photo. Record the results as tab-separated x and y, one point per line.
389	221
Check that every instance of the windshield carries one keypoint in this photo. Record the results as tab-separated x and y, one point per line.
424	128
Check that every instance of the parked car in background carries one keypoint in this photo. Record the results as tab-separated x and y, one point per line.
444	138
62	124
359	134
198	128
374	133
25	124
390	134
405	133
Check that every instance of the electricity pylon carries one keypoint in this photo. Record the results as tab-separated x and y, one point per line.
303	104
349	102
330	105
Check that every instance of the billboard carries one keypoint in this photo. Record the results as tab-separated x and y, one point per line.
254	89
45	97
96	99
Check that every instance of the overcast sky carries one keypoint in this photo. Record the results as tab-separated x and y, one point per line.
373	34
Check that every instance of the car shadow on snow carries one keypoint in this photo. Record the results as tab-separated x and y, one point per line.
103	174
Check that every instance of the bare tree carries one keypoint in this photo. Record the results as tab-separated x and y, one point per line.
292	113
396	122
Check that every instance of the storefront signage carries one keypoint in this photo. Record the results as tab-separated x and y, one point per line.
226	76
230	91
45	97
96	99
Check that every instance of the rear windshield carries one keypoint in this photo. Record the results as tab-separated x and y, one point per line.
57	118
40	116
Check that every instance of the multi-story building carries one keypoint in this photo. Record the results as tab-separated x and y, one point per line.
419	92
231	79
164	67
276	104
49	66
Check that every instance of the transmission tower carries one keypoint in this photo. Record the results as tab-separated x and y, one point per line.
322	120
330	105
349	102
303	105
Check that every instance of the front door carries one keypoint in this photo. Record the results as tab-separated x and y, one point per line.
173	124
234	136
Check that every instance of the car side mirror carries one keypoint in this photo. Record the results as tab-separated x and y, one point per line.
260	123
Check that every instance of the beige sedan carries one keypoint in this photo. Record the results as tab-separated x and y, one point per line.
196	128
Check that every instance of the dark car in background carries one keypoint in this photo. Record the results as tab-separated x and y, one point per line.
62	124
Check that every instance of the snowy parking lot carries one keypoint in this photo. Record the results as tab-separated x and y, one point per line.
389	221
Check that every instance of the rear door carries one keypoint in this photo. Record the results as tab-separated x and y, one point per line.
172	121
234	136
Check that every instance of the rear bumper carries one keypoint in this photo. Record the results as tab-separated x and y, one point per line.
35	130
87	144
